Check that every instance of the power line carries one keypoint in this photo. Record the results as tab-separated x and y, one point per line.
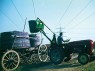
60	28
34	9
79	12
65	11
82	21
8	18
17	11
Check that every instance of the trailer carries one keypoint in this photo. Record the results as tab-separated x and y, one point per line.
18	47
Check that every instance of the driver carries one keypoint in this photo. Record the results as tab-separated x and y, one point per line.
60	42
60	39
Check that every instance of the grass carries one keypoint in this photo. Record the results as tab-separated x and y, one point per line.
88	67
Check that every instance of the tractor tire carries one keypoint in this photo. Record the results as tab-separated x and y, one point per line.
56	55
83	58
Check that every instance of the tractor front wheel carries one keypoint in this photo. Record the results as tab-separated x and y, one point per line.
83	58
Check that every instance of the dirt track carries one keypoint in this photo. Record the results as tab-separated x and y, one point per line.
72	65
48	66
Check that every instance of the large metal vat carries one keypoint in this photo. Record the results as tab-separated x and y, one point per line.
34	40
16	39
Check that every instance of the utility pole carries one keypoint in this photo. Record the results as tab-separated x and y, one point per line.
24	24
60	30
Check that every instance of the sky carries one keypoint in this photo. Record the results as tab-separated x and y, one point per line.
76	17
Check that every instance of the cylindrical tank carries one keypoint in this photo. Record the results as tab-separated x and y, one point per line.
34	40
33	26
8	40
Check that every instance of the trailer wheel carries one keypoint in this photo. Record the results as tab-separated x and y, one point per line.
10	60
43	53
83	58
56	55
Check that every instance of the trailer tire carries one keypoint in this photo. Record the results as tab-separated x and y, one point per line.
10	60
43	53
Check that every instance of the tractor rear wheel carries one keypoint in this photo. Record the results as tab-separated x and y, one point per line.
56	55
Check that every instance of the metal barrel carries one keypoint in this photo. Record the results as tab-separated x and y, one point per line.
34	40
33	26
8	38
